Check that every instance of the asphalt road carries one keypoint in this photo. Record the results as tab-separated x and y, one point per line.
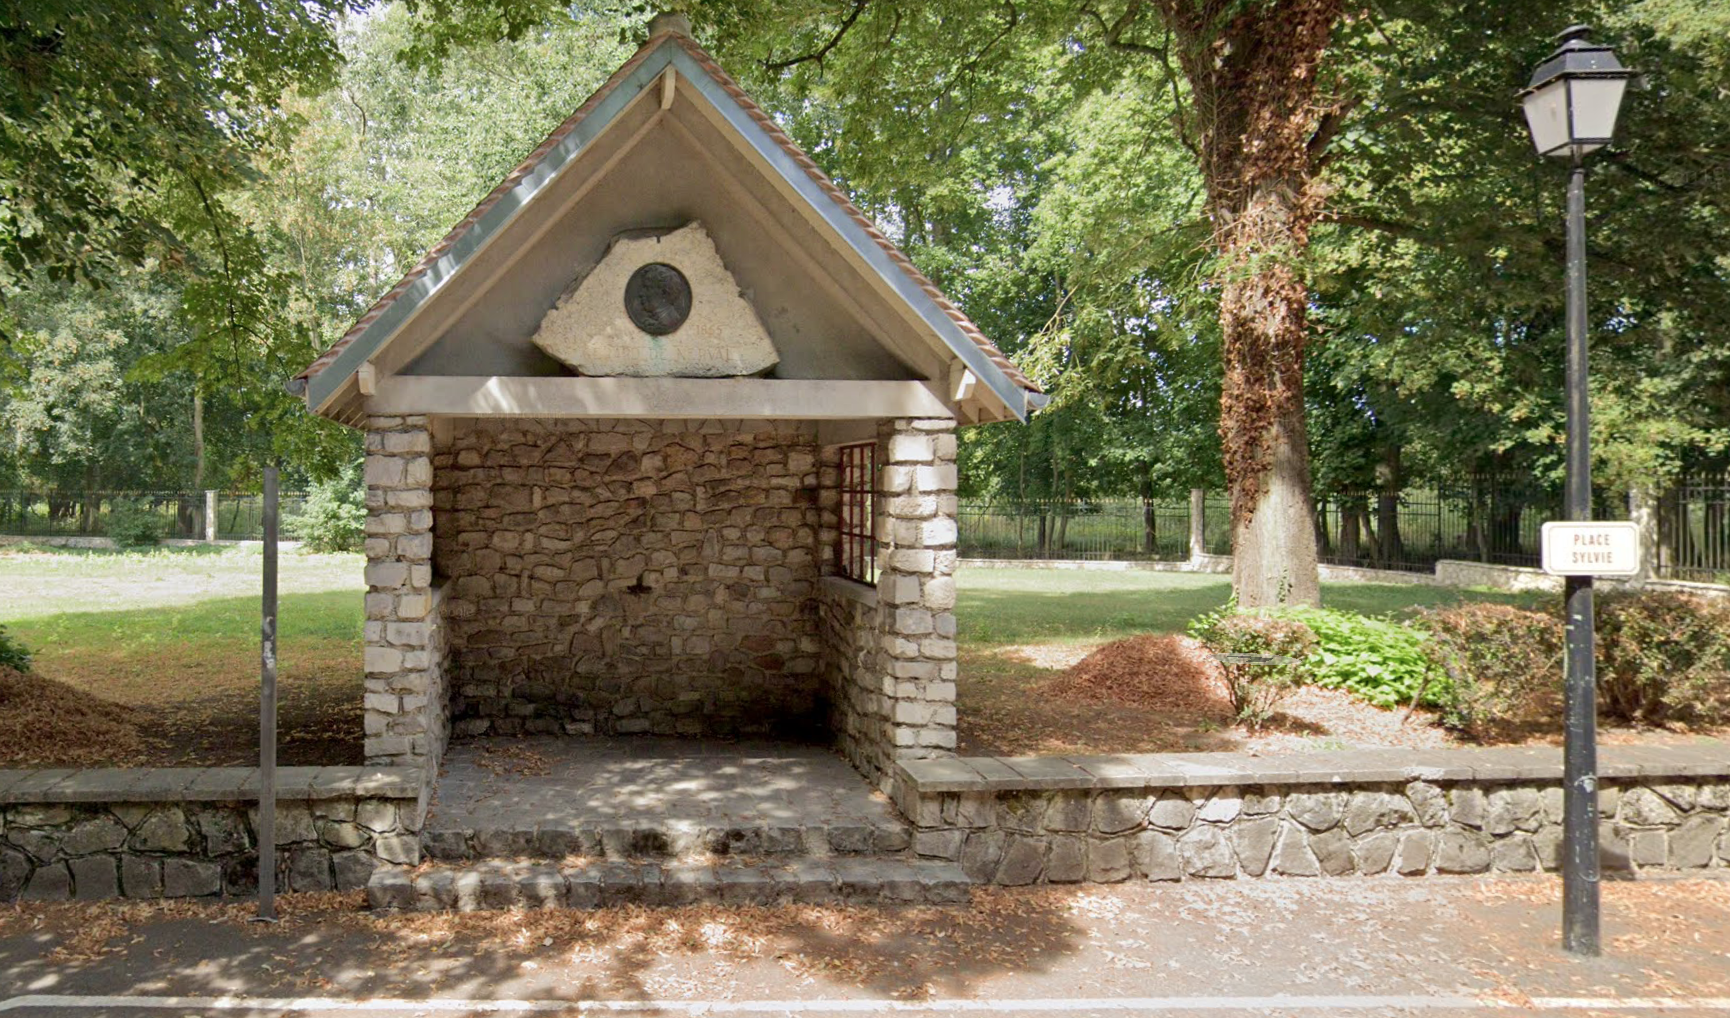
1431	947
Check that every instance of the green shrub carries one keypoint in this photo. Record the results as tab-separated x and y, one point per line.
1376	659
133	524
1499	665
1256	689
333	518
12	653
1663	657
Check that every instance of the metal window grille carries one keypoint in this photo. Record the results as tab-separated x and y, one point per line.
856	552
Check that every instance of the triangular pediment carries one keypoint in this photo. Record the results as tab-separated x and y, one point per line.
670	141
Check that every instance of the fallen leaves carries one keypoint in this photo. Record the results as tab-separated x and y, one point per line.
48	723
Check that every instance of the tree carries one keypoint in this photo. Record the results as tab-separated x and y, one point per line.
106	104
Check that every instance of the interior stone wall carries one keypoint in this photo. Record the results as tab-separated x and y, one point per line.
608	577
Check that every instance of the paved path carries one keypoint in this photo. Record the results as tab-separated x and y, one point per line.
1436	946
525	783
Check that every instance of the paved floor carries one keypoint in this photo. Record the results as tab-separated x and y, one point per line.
533	782
1354	947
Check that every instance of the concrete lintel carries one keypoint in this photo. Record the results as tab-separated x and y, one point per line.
653	398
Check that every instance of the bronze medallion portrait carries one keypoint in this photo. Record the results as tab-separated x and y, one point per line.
658	298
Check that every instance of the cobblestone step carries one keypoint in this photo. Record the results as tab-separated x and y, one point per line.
658	841
500	884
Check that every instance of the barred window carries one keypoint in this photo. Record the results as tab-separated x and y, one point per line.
856	550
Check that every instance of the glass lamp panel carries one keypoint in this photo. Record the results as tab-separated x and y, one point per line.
1547	116
1596	101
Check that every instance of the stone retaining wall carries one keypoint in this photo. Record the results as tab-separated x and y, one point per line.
619	577
1177	817
190	832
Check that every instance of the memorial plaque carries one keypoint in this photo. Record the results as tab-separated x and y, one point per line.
658	298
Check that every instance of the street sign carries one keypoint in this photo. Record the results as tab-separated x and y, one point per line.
1591	549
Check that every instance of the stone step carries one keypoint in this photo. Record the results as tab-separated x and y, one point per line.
500	884
663	840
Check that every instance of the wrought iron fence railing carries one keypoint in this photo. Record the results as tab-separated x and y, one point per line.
1489	519
239	516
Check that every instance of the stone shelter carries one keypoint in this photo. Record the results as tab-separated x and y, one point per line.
661	439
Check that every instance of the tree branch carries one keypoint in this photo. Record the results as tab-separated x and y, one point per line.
819	54
1327	129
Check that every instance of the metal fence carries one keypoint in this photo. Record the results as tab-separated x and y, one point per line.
180	514
1488	519
1694	529
1100	529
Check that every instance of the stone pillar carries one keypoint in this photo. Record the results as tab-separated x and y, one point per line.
404	687
1643	510
1197	524
916	555
210	517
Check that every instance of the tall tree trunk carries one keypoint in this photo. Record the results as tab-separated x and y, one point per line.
1259	129
1349	530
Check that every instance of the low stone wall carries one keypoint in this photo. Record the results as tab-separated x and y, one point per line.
190	832
1035	820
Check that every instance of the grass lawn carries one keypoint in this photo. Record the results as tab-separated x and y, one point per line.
1016	606
175	635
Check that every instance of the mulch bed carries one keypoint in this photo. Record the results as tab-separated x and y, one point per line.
43	722
47	723
1166	693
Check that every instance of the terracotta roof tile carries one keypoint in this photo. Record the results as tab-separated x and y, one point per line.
762	119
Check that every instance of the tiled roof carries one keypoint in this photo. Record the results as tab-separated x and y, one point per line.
761	118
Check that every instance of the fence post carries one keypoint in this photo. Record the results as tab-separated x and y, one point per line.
1197	524
210	516
1643	510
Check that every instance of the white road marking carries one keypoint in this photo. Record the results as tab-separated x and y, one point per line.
844	1006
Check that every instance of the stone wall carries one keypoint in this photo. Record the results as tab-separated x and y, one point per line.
1106	819
406	715
188	832
916	557
889	650
854	682
630	577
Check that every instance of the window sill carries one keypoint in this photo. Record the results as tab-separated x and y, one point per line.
852	590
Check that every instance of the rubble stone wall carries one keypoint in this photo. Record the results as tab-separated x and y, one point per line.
191	833
1095	819
616	577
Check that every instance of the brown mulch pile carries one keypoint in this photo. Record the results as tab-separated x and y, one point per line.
44	720
1170	672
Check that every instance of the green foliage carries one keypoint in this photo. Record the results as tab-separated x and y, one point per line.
106	105
1663	657
1377	659
334	515
13	653
1256	687
132	523
1500	665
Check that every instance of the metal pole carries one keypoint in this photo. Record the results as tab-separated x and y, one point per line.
267	714
1580	917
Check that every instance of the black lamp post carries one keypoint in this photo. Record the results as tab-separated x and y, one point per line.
1571	108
